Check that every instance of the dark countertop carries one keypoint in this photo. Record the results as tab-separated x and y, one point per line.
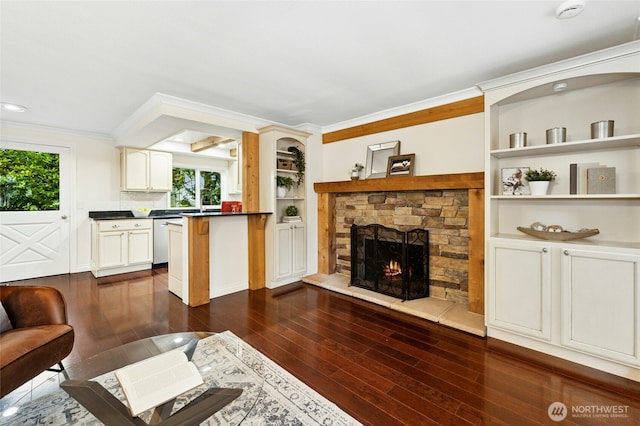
215	214
127	214
164	214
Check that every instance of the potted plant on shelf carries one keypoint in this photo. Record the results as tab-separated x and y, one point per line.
539	180
298	162
291	214
283	184
355	171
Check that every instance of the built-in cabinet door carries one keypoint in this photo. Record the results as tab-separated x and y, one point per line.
299	248
140	247
160	164
136	170
284	251
291	243
519	297
112	249
600	299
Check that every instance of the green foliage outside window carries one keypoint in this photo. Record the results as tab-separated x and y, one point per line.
29	180
184	193
183	189
210	188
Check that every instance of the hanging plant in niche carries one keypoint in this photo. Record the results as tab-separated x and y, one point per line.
298	160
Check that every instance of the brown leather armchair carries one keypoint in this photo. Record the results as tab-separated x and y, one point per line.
40	338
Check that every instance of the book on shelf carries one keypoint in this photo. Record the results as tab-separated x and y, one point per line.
601	180
578	177
149	383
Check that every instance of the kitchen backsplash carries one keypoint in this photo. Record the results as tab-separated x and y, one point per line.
134	200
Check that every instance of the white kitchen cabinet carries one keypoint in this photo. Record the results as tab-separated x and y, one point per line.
601	302
582	306
120	246
143	170
286	252
520	287
291	243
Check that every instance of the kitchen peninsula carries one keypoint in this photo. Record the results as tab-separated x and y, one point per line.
221	253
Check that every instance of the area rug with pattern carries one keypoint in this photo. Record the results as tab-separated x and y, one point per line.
271	396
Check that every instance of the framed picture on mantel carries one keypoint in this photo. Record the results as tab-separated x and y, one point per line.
400	165
377	158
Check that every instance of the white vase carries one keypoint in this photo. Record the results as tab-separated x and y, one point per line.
355	175
539	187
281	191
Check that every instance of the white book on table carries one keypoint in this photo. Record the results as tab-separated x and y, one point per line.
149	383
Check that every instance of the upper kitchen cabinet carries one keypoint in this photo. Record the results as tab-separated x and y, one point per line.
143	170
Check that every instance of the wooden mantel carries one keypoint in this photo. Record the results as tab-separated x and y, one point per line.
405	183
473	182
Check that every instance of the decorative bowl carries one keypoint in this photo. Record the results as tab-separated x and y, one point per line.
559	236
141	212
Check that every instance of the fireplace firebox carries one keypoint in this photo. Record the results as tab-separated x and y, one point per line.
389	261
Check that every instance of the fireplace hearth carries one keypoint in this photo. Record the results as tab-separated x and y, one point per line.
389	261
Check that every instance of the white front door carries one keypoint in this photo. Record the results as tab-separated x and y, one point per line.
36	243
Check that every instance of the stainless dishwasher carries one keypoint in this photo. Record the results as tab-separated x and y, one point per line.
160	242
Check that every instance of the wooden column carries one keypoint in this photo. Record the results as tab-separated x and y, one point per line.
326	233
257	253
198	228
476	251
250	172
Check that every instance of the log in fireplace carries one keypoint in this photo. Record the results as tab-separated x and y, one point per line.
389	261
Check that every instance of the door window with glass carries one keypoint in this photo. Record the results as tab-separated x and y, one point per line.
35	189
195	188
29	180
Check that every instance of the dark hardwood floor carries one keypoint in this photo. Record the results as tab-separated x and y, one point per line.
381	366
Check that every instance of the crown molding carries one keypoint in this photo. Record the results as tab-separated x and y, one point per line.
55	130
588	59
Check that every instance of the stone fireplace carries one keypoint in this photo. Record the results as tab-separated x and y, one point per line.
444	214
389	261
449	206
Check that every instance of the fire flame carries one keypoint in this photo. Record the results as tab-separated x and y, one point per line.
393	269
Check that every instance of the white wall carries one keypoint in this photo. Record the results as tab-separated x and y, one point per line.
455	145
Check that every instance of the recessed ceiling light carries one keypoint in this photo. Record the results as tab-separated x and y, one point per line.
12	107
569	9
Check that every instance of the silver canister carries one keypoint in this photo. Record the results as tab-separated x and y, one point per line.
518	140
556	135
602	129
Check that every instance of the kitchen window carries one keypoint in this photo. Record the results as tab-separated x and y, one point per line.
196	188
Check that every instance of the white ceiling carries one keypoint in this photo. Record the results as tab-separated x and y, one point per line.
89	65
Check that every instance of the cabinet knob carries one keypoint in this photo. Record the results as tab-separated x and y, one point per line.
566	252
544	250
115	226
64	217
137	225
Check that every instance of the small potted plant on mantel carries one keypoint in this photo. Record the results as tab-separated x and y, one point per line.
539	180
355	171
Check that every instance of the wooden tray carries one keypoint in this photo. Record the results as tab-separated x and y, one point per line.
558	236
